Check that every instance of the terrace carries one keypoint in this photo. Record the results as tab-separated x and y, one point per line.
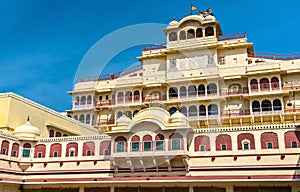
112	76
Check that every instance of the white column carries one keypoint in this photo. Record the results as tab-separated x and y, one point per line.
80	147
97	148
81	189
63	149
47	153
257	141
212	139
112	189
191	188
281	142
229	188
234	142
168	94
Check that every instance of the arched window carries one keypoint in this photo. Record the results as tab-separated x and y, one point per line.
83	100
254	85
88	149
72	149
245	141
234	89
173	36
182	35
192	111
191	34
275	83
4	147
89	100
277	105
77	100
255	106
223	142
93	120
192	90
172	110
128	114
76	117
88	119
159	142
81	118
120	144
176	141
120	98
40	151
183	110
135	143
201	90
173	92
128	96
202	111
26	150
15	150
202	143
292	139
136	96
213	109
212	89
119	114
55	150
209	31
183	91
266	105
58	134
51	133
199	33
105	147
269	140
264	84
147	143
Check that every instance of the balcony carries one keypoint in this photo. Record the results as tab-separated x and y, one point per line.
225	37
235	92
153	47
106	122
83	107
291	86
154	98
272	56
104	103
112	76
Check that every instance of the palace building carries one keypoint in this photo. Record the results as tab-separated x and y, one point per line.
201	113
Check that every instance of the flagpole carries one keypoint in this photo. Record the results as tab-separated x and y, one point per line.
191	9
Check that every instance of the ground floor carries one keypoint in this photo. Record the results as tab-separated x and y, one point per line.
282	186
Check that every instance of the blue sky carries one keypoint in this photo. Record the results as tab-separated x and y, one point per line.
43	41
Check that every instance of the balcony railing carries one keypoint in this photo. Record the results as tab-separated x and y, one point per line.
107	122
283	57
232	36
229	92
291	86
155	98
154	47
112	76
103	103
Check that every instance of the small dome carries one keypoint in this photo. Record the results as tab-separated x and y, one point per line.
27	131
178	117
123	121
210	18
179	120
173	23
